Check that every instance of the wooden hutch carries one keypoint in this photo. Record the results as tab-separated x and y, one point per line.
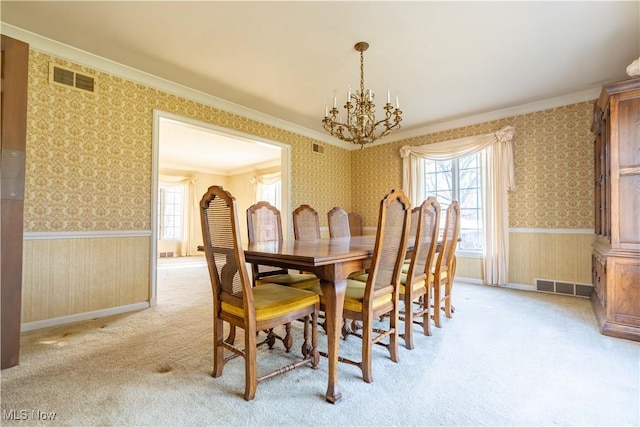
616	250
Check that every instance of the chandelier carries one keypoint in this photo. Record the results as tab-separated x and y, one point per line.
360	126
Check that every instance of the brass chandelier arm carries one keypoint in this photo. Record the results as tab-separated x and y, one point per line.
360	123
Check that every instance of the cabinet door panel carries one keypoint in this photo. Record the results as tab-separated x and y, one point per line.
630	209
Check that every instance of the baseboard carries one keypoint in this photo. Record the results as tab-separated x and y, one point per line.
56	321
518	286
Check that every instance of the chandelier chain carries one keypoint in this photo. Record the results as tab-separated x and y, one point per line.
360	124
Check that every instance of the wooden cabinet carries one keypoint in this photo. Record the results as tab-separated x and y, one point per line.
616	251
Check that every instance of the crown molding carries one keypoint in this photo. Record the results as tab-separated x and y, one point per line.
532	107
81	57
61	50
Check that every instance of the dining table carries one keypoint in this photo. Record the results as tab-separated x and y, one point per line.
331	260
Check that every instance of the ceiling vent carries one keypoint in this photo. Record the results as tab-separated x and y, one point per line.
317	148
69	78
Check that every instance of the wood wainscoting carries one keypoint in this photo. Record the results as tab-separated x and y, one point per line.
65	277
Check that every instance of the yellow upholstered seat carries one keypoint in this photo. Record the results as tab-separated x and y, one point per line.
237	302
354	295
378	295
294	280
273	300
416	279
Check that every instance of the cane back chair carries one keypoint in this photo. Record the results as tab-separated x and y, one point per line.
338	220
378	297
242	305
355	224
417	282
445	269
306	225
264	224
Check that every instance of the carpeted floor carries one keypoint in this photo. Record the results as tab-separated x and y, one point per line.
506	358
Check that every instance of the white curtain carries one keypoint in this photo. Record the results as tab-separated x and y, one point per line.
263	180
498	179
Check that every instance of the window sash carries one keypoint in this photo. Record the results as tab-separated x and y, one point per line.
447	181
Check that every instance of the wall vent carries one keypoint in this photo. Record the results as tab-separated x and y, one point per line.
69	78
166	254
317	148
563	288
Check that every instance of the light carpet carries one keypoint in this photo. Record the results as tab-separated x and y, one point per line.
507	357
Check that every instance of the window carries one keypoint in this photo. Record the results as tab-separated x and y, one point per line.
269	193
459	180
171	202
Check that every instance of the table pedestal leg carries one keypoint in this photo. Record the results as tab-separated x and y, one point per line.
333	295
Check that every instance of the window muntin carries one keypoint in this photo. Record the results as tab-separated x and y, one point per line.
170	211
460	180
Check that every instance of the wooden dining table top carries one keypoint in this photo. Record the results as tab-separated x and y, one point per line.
312	253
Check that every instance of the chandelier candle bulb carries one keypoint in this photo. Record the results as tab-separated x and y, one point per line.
360	125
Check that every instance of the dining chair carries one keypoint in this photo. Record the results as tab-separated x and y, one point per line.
236	301
355	224
445	268
378	297
338	220
306	225
417	282
413	225
264	224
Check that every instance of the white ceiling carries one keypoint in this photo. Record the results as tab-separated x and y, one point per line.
187	147
445	60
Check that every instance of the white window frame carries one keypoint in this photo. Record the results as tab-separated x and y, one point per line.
162	211
455	191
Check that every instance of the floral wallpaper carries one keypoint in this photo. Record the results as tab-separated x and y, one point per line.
89	154
553	156
89	158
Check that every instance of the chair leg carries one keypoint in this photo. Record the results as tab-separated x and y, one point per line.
314	340
307	347
345	328
288	339
436	305
367	350
448	309
393	338
250	365
408	323
426	317
218	348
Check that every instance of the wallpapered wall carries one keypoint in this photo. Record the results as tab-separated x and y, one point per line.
89	155
89	169
553	155
92	153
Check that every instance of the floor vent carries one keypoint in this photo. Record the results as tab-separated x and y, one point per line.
564	288
317	148
66	77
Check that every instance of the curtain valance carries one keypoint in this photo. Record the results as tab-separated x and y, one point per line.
497	177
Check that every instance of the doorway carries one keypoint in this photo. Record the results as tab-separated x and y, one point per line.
196	155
